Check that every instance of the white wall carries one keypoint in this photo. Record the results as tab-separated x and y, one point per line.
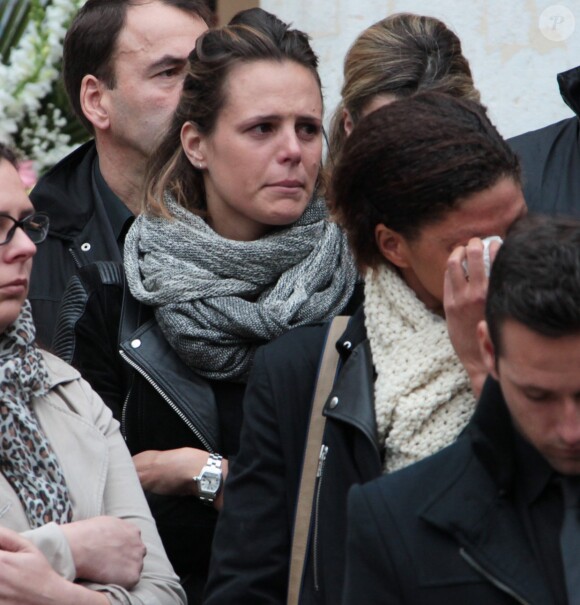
514	62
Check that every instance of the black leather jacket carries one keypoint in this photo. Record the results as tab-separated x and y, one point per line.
116	344
119	348
80	233
250	557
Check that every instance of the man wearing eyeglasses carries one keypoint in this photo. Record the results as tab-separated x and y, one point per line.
123	69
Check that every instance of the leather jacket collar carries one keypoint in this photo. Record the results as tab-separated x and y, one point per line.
352	397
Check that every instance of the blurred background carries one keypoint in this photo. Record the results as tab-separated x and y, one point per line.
515	49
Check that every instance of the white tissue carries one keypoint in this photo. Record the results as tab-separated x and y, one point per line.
486	260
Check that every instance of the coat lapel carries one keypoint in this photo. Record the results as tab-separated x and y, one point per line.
65	417
475	507
491	535
354	393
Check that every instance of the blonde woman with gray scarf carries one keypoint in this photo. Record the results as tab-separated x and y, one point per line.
233	248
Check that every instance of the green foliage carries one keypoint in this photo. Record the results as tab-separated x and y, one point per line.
13	19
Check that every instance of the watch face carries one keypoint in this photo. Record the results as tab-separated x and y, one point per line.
210	483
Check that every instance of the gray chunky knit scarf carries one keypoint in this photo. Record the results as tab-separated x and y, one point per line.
217	299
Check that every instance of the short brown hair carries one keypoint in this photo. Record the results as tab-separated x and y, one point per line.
535	279
408	164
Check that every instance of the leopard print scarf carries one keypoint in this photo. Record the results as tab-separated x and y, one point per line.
27	460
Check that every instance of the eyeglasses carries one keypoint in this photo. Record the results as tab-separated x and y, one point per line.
35	226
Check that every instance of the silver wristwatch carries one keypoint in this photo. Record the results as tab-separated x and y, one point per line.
209	481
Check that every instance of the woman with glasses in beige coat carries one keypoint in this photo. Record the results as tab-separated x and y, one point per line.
74	525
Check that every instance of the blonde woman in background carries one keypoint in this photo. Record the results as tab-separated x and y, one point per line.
395	58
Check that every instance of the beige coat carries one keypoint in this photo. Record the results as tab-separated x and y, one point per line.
101	480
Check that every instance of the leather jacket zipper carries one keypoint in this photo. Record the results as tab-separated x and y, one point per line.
486	574
75	258
166	398
321	461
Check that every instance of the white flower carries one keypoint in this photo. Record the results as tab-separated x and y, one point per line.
29	78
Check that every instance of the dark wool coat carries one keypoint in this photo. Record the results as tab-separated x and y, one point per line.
250	556
446	529
550	158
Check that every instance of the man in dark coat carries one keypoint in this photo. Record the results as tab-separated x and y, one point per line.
123	69
482	521
550	157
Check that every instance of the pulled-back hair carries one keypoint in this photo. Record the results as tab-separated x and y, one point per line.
535	279
408	164
91	41
401	55
204	95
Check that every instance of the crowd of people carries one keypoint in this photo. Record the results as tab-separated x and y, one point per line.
163	355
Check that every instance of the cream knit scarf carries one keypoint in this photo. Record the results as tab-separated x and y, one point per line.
423	397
